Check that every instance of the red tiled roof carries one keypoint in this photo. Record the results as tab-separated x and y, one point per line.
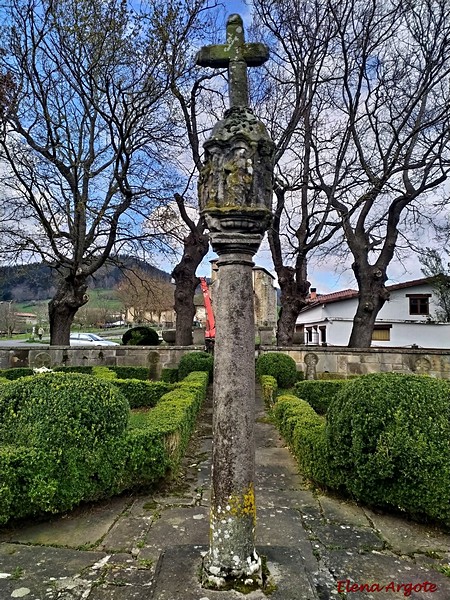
349	293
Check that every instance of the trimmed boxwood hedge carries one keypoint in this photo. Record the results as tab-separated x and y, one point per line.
278	365
141	393
69	428
319	394
131	372
269	390
67	438
16	373
195	361
389	442
142	335
385	441
304	431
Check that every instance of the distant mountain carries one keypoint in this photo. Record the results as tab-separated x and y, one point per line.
37	281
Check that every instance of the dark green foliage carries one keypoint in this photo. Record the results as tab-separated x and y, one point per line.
319	393
141	336
16	373
131	372
73	428
269	390
304	431
72	440
141	393
158	442
278	365
300	375
169	374
195	361
389	442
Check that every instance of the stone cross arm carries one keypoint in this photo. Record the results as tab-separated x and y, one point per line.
237	55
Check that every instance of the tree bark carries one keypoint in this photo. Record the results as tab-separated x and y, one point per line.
294	293
186	282
372	296
62	308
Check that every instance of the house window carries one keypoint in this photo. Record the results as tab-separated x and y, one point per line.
419	304
381	333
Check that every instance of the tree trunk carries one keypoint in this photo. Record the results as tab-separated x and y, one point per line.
372	296
293	298
186	282
62	308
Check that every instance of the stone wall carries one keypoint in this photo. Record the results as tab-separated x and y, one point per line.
311	360
350	361
155	357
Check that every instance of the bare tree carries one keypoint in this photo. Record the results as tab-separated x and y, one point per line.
195	115
8	317
392	125
81	135
145	297
376	124
290	97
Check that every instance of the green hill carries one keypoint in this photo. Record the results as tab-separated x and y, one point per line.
33	284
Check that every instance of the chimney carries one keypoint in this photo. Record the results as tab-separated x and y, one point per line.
313	294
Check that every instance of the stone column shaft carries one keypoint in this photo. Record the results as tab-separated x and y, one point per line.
232	522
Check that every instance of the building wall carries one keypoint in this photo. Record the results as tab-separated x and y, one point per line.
405	329
265	298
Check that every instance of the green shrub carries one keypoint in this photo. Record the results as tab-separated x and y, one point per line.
131	372
141	336
104	373
141	393
319	394
278	365
16	373
388	438
157	441
304	431
70	428
195	361
169	374
67	438
269	389
82	369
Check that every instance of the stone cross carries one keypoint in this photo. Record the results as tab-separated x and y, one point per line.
235	199
235	55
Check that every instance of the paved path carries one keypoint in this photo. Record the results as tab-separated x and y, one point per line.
148	546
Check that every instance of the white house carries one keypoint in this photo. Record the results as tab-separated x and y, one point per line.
407	319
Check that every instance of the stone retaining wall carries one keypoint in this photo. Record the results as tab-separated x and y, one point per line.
155	357
351	361
313	360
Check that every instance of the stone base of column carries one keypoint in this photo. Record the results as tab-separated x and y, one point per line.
248	575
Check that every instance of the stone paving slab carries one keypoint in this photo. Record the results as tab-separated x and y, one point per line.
80	528
38	572
377	568
285	565
407	537
334	509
